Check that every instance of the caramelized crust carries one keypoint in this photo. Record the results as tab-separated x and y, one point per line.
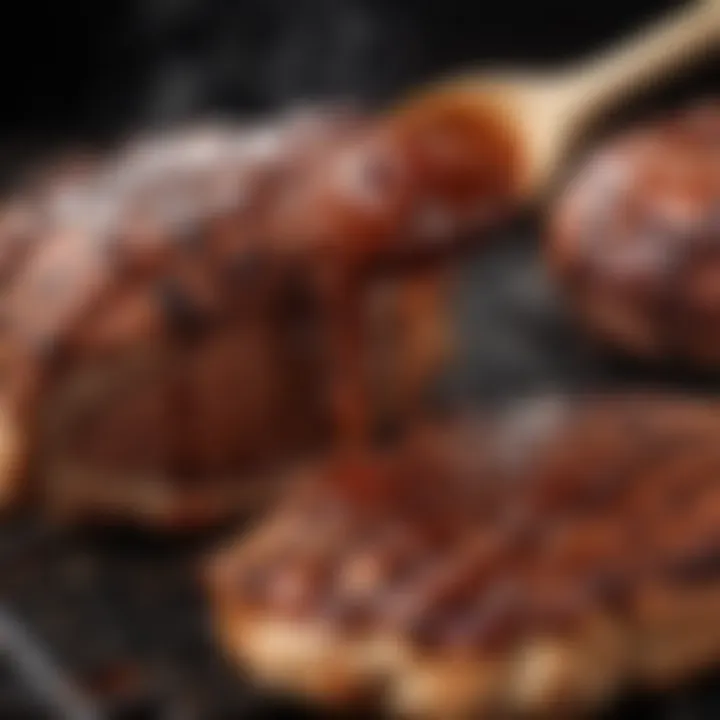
537	562
635	239
152	341
188	313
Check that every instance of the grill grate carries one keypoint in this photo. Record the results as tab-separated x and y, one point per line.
121	616
119	619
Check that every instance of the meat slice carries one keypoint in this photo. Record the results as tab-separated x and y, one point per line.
162	360
634	239
535	562
184	317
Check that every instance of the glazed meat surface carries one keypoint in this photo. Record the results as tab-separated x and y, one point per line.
534	562
635	242
154	339
185	315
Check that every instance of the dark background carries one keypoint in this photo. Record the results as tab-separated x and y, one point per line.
80	69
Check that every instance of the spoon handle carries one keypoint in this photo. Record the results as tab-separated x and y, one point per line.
653	53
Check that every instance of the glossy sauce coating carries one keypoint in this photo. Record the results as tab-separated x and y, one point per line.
473	550
191	304
411	188
635	240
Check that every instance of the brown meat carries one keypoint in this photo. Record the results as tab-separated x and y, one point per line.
635	240
185	316
533	563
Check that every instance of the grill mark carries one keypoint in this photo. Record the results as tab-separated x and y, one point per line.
625	209
184	319
453	598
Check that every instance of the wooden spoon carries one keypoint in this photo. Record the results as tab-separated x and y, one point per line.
481	137
542	114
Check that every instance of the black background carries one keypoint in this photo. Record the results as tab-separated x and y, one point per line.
79	69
